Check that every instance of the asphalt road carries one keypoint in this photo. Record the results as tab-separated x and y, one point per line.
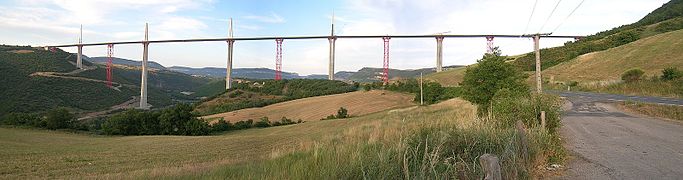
605	143
617	97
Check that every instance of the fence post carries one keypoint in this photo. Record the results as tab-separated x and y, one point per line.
543	120
491	167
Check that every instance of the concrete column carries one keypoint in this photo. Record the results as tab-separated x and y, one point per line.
332	49
228	68
79	58
439	53
539	89
143	81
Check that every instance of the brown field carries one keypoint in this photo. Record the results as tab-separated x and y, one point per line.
315	108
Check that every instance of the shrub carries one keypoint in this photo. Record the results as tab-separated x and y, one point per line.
221	126
632	75
196	127
173	120
671	73
342	113
244	124
262	123
23	119
59	118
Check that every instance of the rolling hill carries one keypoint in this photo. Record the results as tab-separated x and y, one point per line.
358	103
667	18
651	54
450	77
125	62
26	87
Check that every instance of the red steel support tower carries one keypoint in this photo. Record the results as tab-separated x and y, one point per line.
110	52
278	60
489	44
385	76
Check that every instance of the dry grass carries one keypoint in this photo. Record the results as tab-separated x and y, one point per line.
21	51
651	54
52	154
315	108
656	110
451	77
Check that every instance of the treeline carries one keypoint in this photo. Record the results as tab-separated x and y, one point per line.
433	92
665	19
259	93
177	120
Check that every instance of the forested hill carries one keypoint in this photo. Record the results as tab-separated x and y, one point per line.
35	80
667	18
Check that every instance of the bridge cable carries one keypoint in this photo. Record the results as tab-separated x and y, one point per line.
530	16
570	14
551	15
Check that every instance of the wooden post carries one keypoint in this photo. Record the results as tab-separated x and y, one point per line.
543	119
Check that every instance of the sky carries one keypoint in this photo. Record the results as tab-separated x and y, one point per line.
52	22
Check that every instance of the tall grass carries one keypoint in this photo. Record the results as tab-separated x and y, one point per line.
425	143
648	87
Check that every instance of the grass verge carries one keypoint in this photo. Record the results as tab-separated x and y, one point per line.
656	110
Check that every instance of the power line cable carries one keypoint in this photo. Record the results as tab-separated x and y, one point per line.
530	16
551	15
570	14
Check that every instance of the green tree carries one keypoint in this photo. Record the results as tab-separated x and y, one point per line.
482	81
632	75
59	118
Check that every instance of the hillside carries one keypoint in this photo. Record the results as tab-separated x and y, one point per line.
259	93
651	54
315	108
247	73
28	87
367	74
125	62
667	18
450	77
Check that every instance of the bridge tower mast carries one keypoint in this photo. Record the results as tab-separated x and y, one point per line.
278	59
228	69
110	52
385	75
332	40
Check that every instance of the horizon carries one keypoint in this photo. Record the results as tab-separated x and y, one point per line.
55	22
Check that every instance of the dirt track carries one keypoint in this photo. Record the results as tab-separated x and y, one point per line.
606	143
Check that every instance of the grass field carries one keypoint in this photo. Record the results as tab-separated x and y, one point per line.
451	77
30	153
357	103
651	54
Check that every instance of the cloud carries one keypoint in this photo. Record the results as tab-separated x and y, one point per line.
272	18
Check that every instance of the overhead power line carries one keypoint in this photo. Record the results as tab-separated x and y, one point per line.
551	15
570	14
530	16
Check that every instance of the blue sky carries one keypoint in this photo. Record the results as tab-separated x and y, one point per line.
48	22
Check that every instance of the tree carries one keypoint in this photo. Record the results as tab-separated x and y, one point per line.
632	75
264	122
59	118
488	76
342	113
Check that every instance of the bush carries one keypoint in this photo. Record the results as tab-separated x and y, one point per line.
508	107
196	127
262	123
342	113
59	118
177	120
244	124
221	126
492	74
23	119
632	75
671	73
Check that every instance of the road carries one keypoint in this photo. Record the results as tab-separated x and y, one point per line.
606	143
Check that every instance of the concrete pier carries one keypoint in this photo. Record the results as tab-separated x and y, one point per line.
439	53
228	67
143	81
332	49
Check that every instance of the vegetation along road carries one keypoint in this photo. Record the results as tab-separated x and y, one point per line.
609	144
617	97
